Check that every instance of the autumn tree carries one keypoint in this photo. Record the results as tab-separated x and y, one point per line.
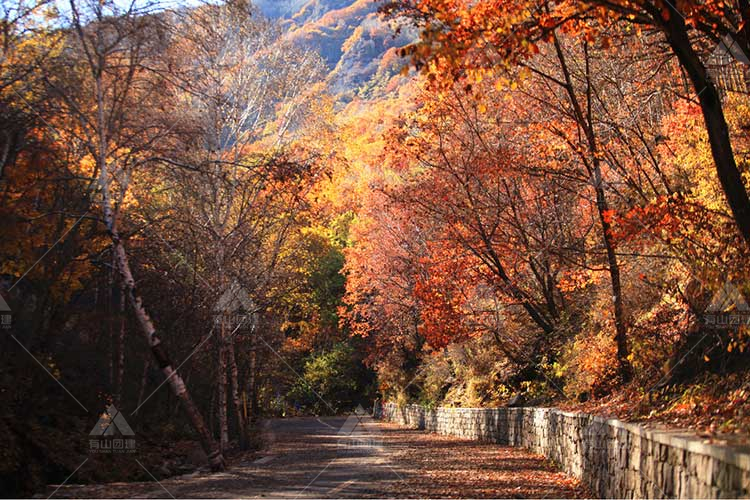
507	229
489	35
108	95
236	188
380	303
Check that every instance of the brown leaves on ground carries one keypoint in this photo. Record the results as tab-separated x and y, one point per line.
437	466
712	405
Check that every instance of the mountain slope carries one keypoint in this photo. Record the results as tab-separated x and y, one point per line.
356	44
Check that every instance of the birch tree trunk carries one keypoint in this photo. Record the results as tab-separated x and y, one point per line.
99	52
215	457
214	453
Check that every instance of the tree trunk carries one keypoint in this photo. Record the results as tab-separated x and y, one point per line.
98	62
222	385
593	163
121	348
234	373
212	412
110	330
251	380
215	457
621	331
144	381
716	124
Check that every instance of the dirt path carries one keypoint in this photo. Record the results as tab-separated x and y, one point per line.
309	458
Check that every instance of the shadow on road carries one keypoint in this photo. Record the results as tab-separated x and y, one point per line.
338	458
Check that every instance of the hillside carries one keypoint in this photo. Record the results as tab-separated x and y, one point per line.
357	45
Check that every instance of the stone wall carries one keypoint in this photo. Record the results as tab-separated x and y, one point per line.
615	459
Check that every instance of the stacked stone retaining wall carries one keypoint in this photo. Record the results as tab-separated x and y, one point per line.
613	458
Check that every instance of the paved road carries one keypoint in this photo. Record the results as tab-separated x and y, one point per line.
338	457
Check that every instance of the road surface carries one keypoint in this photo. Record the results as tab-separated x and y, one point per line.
336	457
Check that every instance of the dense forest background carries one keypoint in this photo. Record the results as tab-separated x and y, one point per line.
216	213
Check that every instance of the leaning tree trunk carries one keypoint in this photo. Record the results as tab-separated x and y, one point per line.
716	125
234	373
215	457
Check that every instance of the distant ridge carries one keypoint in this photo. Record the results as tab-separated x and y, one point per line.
356	44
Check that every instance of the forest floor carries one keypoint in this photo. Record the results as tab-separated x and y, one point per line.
715	407
316	458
